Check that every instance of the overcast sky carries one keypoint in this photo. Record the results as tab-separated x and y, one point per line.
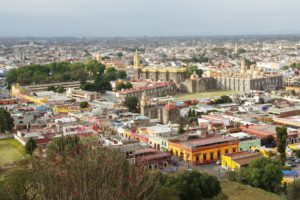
147	17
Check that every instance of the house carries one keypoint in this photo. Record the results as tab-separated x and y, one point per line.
236	160
203	150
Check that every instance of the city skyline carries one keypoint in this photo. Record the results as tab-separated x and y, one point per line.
147	18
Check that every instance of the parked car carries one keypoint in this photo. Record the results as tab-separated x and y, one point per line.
297	160
290	164
292	158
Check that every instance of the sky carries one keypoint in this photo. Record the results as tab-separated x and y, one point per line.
113	18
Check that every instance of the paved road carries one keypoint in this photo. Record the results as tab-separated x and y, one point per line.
212	169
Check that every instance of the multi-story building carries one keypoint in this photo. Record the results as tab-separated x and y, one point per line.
174	74
244	80
247	80
82	94
203	150
233	161
155	89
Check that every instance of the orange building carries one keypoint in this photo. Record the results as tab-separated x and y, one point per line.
203	150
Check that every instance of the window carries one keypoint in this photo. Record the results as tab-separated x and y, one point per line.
197	158
226	151
204	156
211	155
233	150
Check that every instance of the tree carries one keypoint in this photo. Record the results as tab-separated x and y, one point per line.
30	146
6	121
131	103
93	173
121	74
111	74
84	104
12	76
249	62
119	54
180	129
241	51
261	100
122	85
281	143
293	190
226	99
193	185
190	113
17	184
293	93
298	153
190	70
90	173
63	146
223	99
193	113
60	89
51	88
264	173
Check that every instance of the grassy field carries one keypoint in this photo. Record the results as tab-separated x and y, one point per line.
10	151
237	191
209	94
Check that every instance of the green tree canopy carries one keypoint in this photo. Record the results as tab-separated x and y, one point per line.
190	70
30	146
6	121
293	190
298	153
122	85
121	74
191	186
223	99
281	143
84	104
264	173
80	171
131	103
63	146
60	89
241	51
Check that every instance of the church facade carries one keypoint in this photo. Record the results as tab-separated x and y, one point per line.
244	80
174	74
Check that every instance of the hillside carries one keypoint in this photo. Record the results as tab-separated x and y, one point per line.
238	191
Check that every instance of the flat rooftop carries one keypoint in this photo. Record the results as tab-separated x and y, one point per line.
193	143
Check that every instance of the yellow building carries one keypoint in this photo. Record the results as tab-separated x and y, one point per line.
295	146
20	92
163	74
65	109
266	152
239	159
293	88
204	150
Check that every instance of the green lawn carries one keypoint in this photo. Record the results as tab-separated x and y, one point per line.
10	151
191	96
238	191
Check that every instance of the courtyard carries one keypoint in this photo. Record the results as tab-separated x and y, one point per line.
11	151
209	94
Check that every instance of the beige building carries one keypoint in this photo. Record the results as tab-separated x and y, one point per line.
82	94
155	74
